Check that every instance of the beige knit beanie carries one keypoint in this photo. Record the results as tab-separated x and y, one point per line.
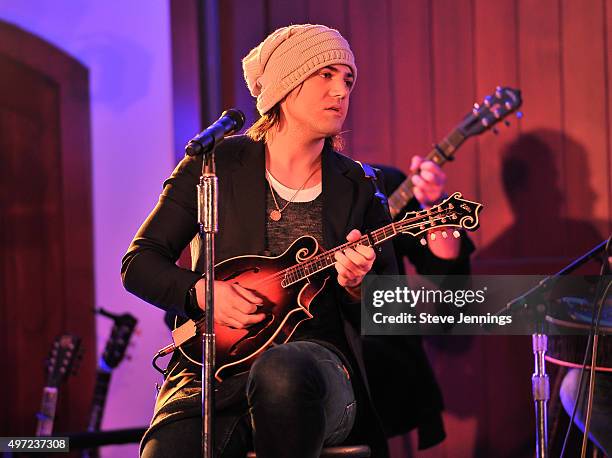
289	56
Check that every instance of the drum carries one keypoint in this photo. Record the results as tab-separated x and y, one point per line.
574	314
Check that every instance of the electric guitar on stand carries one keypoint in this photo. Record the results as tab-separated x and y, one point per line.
484	116
64	352
114	352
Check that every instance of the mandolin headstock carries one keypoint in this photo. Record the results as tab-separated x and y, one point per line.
454	212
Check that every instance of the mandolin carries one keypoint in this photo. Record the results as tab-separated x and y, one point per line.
483	117
288	284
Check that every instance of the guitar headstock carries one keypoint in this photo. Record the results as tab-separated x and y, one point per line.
494	108
66	350
453	212
116	346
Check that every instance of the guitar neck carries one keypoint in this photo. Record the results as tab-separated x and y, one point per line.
99	400
46	416
440	155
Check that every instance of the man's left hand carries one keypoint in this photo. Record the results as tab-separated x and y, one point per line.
353	264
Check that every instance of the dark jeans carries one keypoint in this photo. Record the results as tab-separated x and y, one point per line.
300	398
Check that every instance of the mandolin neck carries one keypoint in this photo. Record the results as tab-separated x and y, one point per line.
422	221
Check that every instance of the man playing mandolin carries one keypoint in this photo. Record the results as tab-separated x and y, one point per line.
281	181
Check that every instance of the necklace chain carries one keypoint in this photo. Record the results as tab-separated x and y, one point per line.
277	214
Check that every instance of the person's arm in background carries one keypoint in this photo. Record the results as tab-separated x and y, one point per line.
441	256
429	182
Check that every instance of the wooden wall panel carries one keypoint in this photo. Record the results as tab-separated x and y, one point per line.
495	65
585	123
529	167
540	64
454	84
246	22
332	13
412	111
608	82
371	101
281	13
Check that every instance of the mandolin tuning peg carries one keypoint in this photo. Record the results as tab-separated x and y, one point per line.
519	114
456	234
423	241
444	234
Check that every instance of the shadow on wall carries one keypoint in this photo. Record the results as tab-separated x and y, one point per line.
481	376
543	237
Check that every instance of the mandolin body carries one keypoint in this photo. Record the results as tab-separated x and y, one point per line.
285	307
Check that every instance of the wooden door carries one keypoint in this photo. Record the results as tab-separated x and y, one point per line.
46	267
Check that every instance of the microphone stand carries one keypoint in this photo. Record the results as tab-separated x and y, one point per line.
204	143
207	219
540	384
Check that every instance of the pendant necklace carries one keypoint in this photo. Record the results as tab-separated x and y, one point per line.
277	213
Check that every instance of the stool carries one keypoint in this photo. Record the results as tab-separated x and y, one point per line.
344	451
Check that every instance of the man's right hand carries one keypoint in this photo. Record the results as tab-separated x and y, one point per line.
235	306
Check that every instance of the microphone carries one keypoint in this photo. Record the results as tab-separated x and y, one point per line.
230	121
